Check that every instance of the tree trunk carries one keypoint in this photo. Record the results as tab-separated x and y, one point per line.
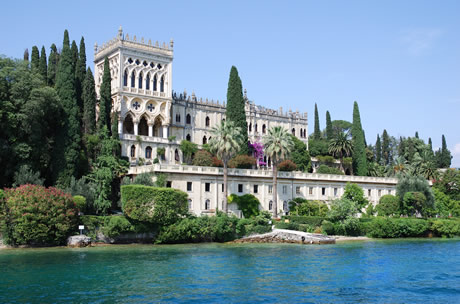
275	190
224	204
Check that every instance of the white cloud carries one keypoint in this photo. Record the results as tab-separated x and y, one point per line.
418	41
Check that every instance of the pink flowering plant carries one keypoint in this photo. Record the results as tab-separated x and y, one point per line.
35	215
258	152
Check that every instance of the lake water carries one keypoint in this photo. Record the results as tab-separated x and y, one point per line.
395	271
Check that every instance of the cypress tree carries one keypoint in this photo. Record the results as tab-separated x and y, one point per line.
74	51
105	103
416	134
68	142
115	125
26	55
386	153
317	131
236	110
329	132
359	148
43	69
52	66
89	104
80	72
378	150
430	144
446	156
35	59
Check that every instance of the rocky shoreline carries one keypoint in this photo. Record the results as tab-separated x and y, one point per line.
287	236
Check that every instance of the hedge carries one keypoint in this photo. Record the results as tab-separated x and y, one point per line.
314	221
112	226
162	206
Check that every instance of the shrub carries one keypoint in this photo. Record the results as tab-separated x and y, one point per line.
287	165
248	204
355	193
145	179
341	209
92	223
413	203
25	175
84	188
217	162
415	184
35	215
115	225
444	205
314	221
257	224
80	202
388	205
303	207
242	162
446	227
323	169
202	158
163	206
326	159
397	227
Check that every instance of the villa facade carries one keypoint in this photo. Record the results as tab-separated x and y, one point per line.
153	118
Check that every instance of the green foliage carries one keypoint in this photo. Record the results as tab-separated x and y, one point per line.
340	147
323	169
415	184
35	215
341	126
80	202
161	152
370	210
449	183
388	206
318	147
25	175
341	209
248	204
235	111
387	154
188	149
446	227
112	226
317	130
329	129
413	203
105	103
80	75
300	155
378	150
202	158
443	155
116	225
162	206
444	205
53	61
89	103
313	221
145	179
359	147
349	226
355	193
303	207
287	165
242	162
397	227
42	66
82	187
160	180
35	59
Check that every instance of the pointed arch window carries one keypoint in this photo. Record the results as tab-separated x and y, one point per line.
264	129
177	117
188	137
147	82
133	79
148	152
205	140
293	131
162	84
255	127
270	205
176	155
155	82
133	151
125	79
250	127
188	119
207	121
140	80
207	205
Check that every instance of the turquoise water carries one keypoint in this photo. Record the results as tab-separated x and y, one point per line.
399	271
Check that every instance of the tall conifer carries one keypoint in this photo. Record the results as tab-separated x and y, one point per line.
359	148
386	153
43	68
74	51
329	131
317	130
446	156
35	59
430	144
89	104
67	155
236	110
416	134
80	72
378	150
26	55
52	65
105	103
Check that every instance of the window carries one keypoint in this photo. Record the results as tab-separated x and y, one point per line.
207	120
189	186
240	188
335	191
323	191
177	117
285	206
125	79
162	84
270	205
380	192
284	189
205	140
155	82
189	204
256	188
148	152
133	151
176	155
264	129
207	187
255	128
310	190
168	184
207	205
297	190
140	80
223	188
147	82
250	127
188	119
270	189
293	131
369	192
133	79
188	137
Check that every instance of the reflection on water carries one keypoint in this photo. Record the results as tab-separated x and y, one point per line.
398	271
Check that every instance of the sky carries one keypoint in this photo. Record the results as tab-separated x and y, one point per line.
400	60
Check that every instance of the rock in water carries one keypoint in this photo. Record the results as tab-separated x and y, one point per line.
78	241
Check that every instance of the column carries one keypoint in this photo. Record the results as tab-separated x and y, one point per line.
150	130
136	129
120	127
165	131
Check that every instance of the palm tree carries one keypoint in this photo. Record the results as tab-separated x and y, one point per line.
226	141
341	147
278	145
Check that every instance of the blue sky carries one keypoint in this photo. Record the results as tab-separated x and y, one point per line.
399	59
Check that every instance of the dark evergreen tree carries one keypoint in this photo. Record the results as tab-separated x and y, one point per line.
378	150
26	55
52	65
43	68
68	154
359	149
89	104
115	125
329	130
105	103
444	157
236	106
317	130
386	152
35	59
74	51
416	134
430	146
80	72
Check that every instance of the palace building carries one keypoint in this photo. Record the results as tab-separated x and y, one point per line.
153	118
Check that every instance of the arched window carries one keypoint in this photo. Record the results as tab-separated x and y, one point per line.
207	205
177	117
205	140
143	128
133	79
133	151
301	132
293	131
140	80
255	127
162	84
189	204
148	152
128	125
250	127
285	206
207	120
155	82
188	119
188	137
125	79
269	164
147	82
270	205
264	129
176	155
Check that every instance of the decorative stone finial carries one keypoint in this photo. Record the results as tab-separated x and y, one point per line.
127	37
134	39
245	94
95	47
150	41
171	43
157	44
120	33
142	40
